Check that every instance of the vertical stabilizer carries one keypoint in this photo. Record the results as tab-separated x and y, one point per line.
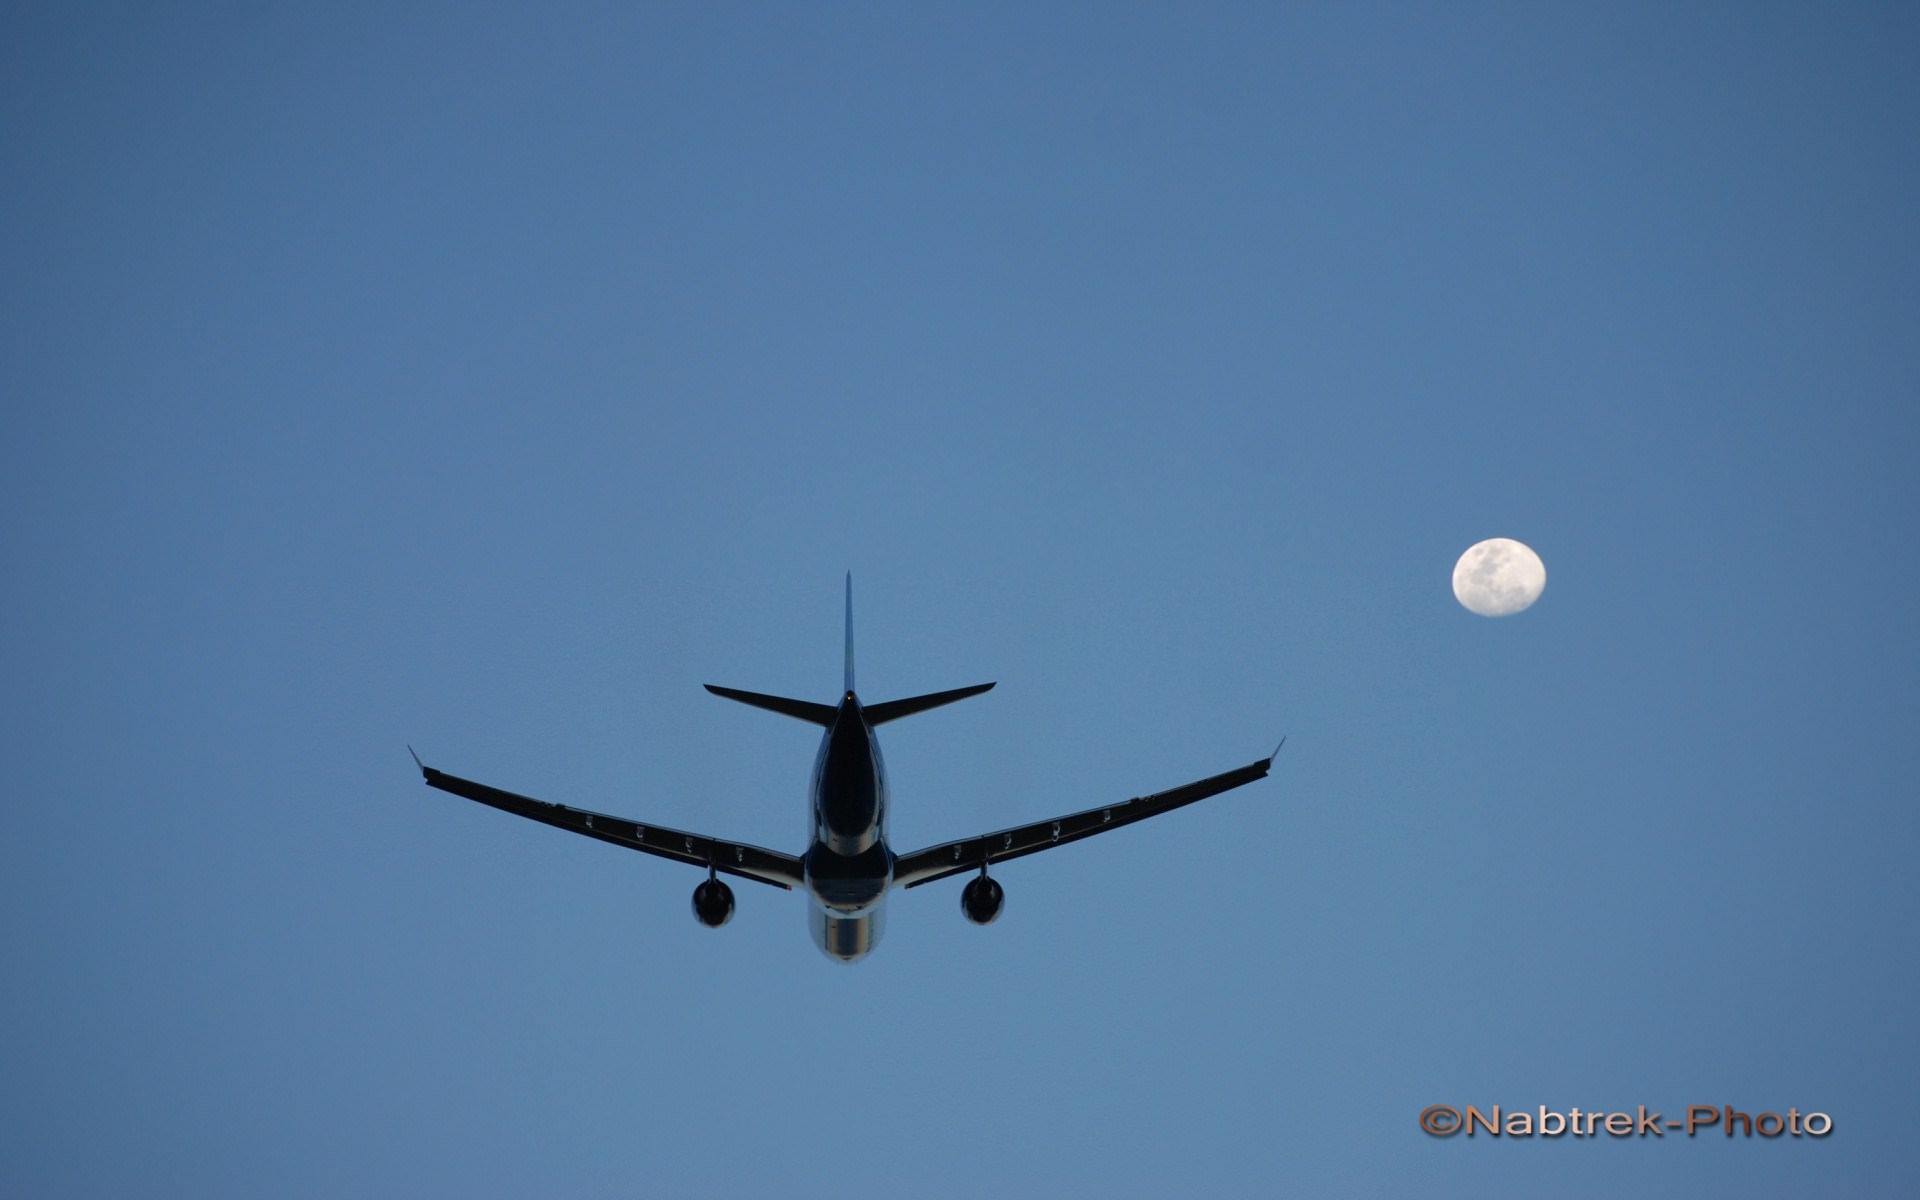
849	684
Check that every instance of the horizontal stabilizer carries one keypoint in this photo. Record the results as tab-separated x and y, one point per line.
891	710
806	710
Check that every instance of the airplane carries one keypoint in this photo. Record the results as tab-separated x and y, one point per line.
849	868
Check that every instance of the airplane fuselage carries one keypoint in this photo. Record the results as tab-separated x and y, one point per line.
848	867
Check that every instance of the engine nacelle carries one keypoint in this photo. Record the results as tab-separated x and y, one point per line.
981	900
713	903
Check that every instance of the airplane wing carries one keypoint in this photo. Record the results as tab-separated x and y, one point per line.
952	858
729	858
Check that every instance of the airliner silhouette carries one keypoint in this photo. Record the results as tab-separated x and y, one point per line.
849	868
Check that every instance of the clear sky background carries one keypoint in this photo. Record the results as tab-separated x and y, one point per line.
489	379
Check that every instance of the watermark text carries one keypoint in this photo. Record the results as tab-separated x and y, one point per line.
1445	1120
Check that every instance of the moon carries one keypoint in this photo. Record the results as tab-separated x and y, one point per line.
1498	577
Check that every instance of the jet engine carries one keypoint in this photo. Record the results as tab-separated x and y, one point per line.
981	900
713	903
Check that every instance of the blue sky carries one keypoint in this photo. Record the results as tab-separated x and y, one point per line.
490	379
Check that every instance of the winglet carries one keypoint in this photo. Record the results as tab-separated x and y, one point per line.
424	770
849	674
1276	751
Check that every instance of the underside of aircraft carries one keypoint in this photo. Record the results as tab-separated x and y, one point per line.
848	868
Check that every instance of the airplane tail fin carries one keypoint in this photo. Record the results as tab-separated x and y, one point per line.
824	714
893	710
